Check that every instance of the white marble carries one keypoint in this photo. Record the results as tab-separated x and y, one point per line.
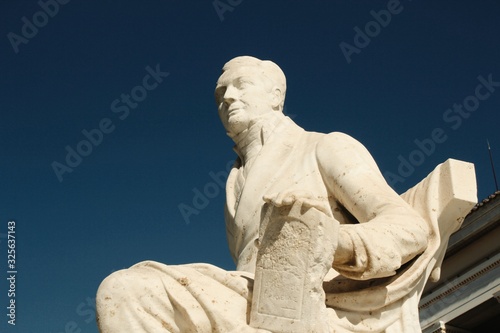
320	241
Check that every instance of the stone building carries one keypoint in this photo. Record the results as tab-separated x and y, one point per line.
466	298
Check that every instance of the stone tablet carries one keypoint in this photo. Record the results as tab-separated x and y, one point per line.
295	253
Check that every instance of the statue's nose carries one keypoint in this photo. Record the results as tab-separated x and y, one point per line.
230	95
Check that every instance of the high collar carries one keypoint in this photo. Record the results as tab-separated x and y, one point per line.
249	142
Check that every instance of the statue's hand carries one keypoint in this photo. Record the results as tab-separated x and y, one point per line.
305	198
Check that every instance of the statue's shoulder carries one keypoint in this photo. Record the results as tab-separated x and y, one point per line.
341	150
337	141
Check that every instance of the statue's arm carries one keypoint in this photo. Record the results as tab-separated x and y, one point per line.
390	232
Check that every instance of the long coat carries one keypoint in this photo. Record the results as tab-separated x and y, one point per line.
386	232
338	169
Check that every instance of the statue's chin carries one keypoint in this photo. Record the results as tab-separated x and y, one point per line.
235	128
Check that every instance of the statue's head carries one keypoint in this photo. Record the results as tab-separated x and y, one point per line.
248	89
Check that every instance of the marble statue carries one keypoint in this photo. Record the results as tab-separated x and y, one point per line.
321	242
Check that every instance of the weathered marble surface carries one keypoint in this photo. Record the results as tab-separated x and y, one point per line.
320	241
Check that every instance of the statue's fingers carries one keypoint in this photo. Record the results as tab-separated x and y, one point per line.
318	204
269	197
275	199
288	199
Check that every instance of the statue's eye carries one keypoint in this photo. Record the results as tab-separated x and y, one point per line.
243	83
219	93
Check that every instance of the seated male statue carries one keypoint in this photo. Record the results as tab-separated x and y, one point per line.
372	243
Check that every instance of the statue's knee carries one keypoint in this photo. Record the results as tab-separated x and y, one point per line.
125	284
114	287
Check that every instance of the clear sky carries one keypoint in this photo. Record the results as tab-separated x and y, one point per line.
112	151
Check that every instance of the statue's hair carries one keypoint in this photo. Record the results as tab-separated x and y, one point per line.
268	69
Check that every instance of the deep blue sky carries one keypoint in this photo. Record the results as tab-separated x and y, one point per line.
120	204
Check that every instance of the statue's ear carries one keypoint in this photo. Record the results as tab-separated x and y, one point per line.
277	98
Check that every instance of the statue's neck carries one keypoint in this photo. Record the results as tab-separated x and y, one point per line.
249	142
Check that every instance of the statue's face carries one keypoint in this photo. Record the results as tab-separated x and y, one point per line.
242	95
